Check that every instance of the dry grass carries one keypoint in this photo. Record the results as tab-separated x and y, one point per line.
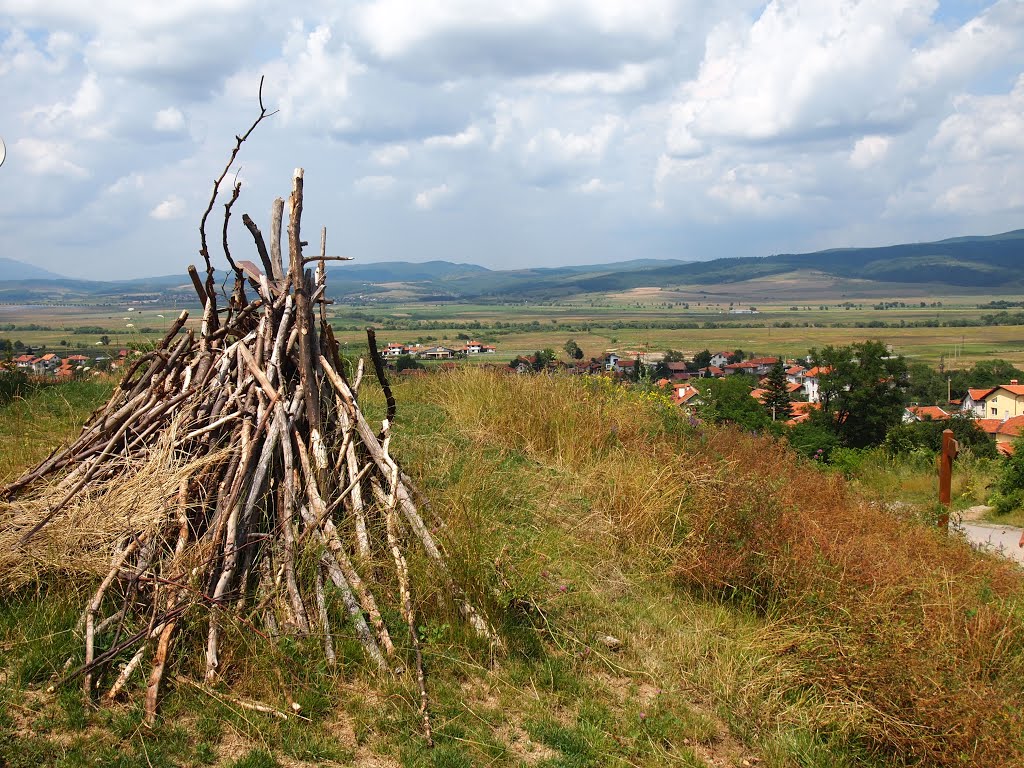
764	607
94	523
918	636
882	633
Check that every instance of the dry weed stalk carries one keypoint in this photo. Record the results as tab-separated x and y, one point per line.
217	460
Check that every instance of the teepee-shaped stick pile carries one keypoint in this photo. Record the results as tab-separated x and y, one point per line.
272	455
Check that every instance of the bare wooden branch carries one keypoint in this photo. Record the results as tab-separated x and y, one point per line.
270	459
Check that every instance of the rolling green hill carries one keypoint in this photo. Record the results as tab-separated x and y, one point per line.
976	262
982	263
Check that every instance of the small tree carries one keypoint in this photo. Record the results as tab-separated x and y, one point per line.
572	349
862	392
777	401
702	359
543	359
728	400
1010	486
403	362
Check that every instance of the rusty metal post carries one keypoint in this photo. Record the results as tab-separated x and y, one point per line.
950	448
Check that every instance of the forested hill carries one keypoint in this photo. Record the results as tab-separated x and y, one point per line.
995	261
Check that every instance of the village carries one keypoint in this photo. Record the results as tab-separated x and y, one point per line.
998	411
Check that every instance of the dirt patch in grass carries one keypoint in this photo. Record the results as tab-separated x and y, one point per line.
522	747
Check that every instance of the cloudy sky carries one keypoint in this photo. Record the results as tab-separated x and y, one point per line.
535	132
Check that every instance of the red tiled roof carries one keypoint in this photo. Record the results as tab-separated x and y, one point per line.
758	394
1016	389
932	412
989	426
979	394
684	394
1005	448
795	370
1012	426
818	371
801	411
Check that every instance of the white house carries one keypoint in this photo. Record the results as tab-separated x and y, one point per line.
812	383
719	359
438	353
974	402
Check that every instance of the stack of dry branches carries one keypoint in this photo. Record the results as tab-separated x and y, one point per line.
270	455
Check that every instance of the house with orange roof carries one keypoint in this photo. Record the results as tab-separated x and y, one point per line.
48	363
746	367
711	372
914	413
812	383
764	364
989	426
686	396
974	402
801	412
393	349
24	361
1005	401
627	367
1009	431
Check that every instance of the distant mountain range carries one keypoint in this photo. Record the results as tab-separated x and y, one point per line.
993	263
19	270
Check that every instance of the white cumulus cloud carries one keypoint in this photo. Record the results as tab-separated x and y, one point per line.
169	120
47	158
169	209
391	155
868	151
472	135
430	198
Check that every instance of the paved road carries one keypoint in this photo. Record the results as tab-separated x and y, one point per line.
1001	538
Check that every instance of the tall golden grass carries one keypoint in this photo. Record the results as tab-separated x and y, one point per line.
911	643
80	544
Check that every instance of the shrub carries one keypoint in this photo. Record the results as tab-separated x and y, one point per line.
1009	493
12	384
921	638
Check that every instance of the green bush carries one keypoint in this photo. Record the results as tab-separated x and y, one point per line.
12	384
1009	493
847	460
1005	503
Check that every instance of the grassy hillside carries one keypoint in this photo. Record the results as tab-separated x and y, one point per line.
667	594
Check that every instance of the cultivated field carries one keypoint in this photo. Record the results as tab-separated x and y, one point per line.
640	320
